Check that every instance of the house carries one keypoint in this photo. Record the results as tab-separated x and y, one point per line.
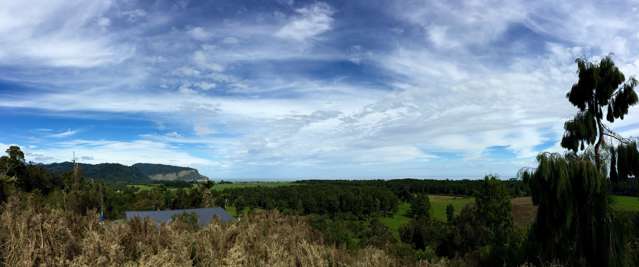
204	215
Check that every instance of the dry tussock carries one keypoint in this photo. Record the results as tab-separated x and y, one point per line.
32	235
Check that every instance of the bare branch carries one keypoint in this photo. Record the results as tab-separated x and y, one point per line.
616	136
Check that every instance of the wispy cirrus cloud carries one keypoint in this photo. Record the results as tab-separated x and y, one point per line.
63	134
59	34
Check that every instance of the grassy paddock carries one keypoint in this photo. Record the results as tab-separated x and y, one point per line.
438	205
438	211
522	209
625	203
398	219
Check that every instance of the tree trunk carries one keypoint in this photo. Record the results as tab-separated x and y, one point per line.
600	141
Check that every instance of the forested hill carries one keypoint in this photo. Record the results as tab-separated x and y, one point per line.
137	173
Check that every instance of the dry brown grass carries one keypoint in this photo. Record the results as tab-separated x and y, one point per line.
523	211
31	235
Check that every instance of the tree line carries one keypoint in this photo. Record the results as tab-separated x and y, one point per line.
406	188
315	198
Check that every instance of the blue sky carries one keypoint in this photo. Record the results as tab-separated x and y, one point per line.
303	89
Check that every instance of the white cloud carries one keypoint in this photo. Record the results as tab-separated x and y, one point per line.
186	71
469	107
201	129
192	88
205	85
391	154
57	33
66	133
186	89
459	25
199	33
201	59
310	22
438	35
610	27
230	40
104	22
134	15
453	24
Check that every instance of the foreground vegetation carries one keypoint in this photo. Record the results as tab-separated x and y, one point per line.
32	235
50	219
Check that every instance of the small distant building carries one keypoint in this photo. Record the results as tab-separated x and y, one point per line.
204	215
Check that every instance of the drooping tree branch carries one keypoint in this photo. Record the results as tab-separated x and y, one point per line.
616	136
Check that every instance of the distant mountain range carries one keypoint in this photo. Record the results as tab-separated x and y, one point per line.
136	173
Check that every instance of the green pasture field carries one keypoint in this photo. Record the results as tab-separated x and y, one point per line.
438	211
438	205
398	219
625	203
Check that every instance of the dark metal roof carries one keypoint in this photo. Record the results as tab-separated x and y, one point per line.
204	215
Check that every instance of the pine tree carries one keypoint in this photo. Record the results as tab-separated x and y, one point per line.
420	207
450	213
600	89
